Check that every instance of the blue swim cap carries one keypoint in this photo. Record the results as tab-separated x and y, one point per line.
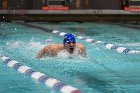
68	37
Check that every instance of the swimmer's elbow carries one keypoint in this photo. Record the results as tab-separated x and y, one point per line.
84	52
40	54
37	57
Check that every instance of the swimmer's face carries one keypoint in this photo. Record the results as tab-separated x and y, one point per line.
70	46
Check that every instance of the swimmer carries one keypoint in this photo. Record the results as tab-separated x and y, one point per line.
69	45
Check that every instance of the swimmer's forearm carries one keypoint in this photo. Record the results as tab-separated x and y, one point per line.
84	52
39	54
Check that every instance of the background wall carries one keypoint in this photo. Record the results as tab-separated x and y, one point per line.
3	4
17	4
102	4
134	3
37	4
105	4
0	4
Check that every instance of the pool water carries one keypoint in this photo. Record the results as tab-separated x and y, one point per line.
103	71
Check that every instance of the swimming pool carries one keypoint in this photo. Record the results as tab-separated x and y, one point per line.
104	71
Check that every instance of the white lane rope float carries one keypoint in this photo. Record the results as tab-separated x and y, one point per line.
50	82
107	45
89	40
102	65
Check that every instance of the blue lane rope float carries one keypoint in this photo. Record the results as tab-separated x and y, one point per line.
107	45
89	40
50	82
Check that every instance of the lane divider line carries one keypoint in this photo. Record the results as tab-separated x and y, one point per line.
119	49
107	45
50	82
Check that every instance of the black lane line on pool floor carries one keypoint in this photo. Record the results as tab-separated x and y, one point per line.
34	26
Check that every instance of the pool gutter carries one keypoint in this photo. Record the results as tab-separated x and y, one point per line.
70	15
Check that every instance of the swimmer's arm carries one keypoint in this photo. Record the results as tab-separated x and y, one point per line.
83	51
41	52
84	54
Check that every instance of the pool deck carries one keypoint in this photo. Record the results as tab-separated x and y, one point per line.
70	15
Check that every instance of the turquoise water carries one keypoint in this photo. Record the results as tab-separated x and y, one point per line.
104	71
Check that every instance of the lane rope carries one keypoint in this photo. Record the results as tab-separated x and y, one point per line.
119	49
90	40
107	45
50	82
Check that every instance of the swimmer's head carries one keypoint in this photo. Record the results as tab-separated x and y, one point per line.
68	38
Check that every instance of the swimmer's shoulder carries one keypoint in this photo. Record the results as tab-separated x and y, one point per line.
80	46
55	46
